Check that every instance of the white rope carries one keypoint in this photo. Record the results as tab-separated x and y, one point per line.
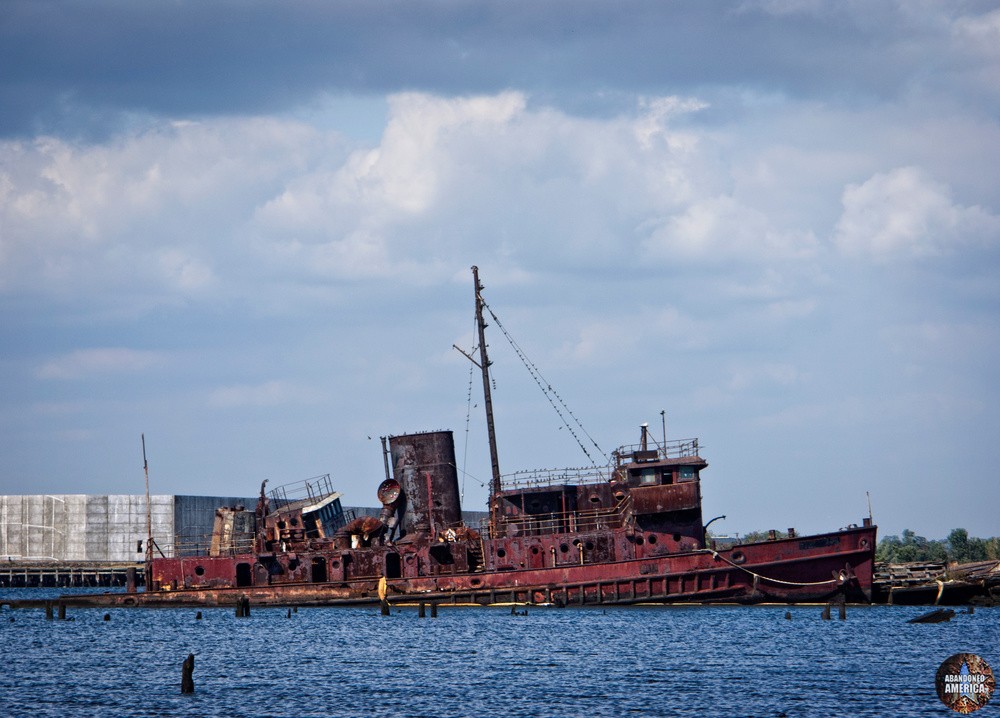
718	557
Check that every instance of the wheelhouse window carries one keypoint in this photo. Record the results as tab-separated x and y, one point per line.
687	473
649	476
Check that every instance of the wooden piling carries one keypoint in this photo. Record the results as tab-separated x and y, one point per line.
843	611
62	611
48	610
385	607
434	610
242	607
788	615
421	610
187	677
197	616
826	612
107	616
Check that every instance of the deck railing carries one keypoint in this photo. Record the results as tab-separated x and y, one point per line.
675	449
559	522
537	478
307	490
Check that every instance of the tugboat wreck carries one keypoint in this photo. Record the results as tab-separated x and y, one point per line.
628	532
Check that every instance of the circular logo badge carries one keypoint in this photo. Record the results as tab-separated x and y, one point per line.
965	682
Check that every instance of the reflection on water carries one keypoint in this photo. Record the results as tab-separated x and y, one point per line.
656	661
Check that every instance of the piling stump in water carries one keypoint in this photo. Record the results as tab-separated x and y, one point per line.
434	610
48	611
242	607
197	616
385	607
826	612
421	610
62	611
843	611
187	674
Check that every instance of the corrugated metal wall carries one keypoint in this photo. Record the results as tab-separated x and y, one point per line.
77	527
194	517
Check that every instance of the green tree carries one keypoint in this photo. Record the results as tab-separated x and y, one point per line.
993	548
958	545
910	549
963	549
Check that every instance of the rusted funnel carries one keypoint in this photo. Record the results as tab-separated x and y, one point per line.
423	466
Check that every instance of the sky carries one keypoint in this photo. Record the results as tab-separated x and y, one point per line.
244	230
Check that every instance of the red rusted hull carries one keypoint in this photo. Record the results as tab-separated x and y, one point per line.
795	570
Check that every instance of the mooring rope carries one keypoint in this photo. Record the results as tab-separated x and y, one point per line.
758	576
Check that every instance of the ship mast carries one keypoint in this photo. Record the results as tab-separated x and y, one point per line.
484	365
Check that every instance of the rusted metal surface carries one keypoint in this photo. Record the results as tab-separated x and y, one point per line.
424	467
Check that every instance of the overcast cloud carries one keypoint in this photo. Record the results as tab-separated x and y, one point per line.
245	229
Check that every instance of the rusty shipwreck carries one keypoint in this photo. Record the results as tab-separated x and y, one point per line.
631	531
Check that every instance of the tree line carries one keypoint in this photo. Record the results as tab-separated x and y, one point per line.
958	547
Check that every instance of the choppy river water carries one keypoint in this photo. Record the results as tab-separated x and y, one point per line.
552	663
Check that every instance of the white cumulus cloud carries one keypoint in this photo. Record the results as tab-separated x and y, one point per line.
905	214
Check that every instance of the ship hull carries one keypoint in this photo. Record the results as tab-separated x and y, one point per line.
832	566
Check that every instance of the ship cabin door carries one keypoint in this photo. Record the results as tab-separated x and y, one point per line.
393	566
244	576
318	573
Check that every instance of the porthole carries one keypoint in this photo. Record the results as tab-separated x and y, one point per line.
293	564
739	557
199	570
335	564
638	541
589	545
651	538
501	553
863	543
534	550
564	548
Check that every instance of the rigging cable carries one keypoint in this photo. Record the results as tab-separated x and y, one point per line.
468	417
549	391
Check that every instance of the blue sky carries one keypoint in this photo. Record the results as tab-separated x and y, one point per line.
245	229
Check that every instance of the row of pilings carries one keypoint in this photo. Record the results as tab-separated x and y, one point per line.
51	574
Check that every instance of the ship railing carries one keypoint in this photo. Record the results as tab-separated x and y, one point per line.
674	449
535	478
188	546
309	490
580	521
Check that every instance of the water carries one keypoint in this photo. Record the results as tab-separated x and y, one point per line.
553	663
